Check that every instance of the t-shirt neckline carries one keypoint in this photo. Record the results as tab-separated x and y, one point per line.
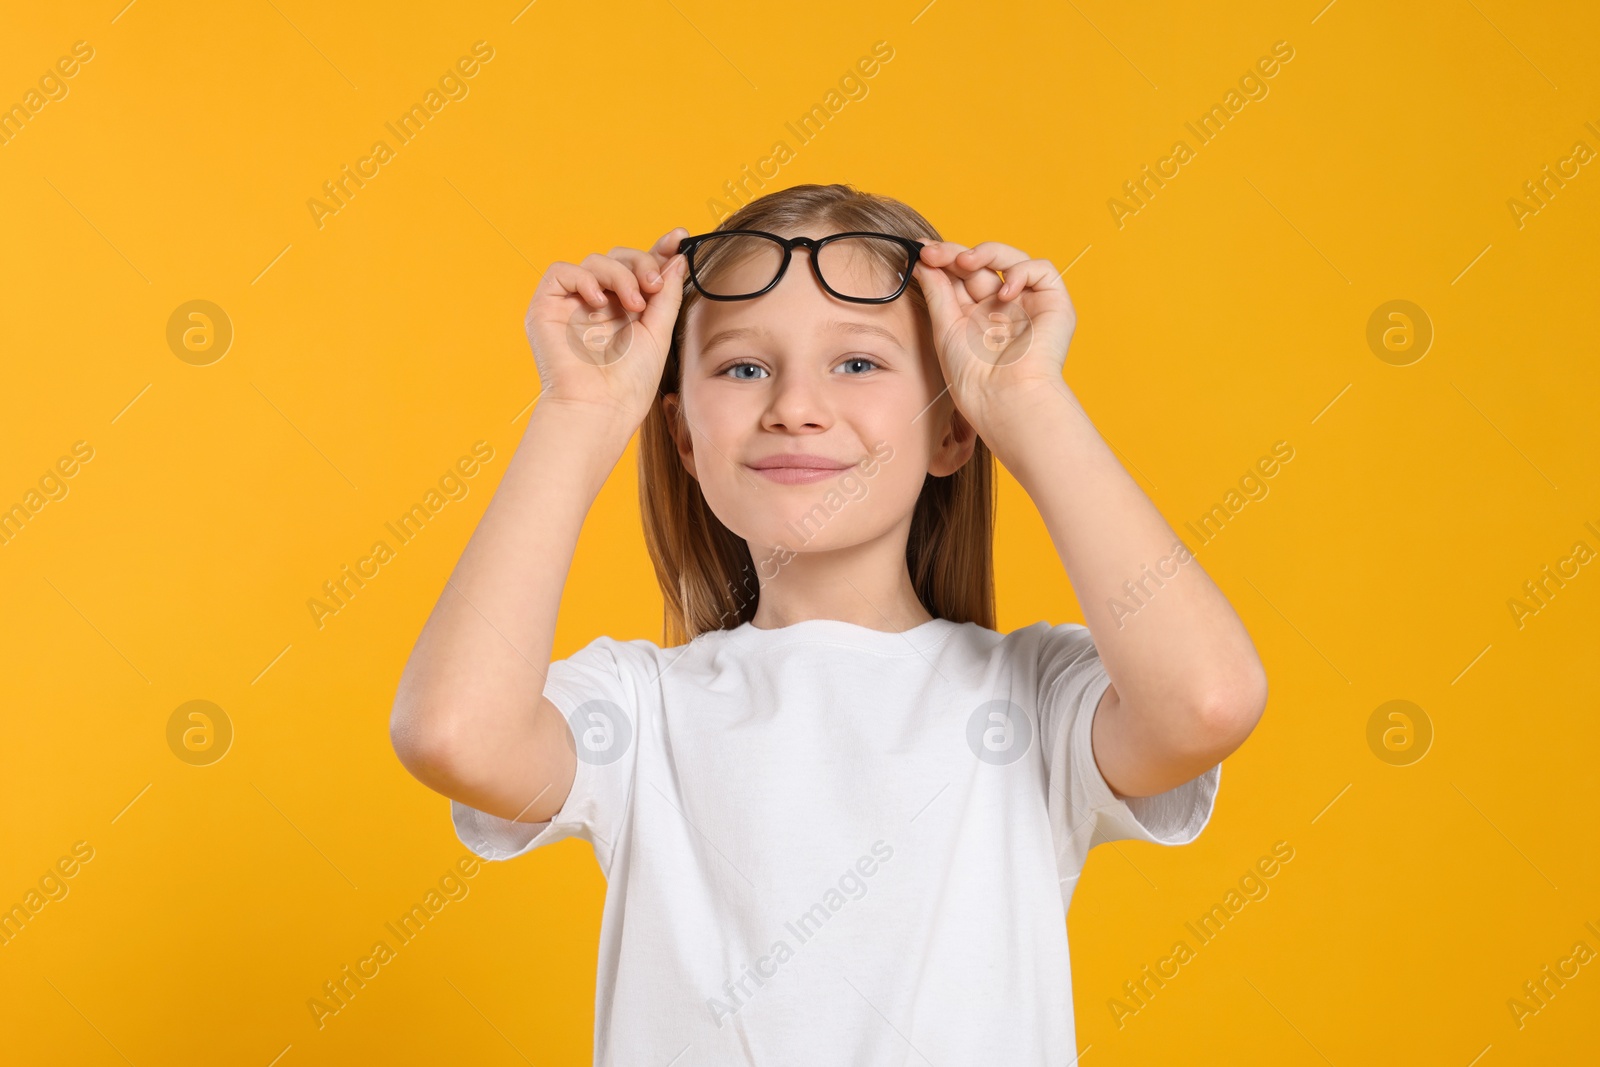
919	639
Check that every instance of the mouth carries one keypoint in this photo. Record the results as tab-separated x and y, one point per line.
798	469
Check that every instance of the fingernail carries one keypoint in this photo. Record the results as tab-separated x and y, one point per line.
651	276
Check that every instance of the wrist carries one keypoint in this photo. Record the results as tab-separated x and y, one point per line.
586	423
584	442
1031	416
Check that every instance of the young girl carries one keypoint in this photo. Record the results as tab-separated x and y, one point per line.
840	816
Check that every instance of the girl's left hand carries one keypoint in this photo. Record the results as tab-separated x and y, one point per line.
997	338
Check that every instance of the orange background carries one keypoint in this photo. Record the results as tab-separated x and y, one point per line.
368	354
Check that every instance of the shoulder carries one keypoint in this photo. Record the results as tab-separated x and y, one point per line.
633	660
1038	654
1034	643
1062	666
1047	644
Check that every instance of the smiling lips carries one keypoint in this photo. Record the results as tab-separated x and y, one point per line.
795	468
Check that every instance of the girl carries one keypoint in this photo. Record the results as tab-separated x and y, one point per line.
840	816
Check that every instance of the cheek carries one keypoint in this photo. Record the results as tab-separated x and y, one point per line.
888	483
900	479
717	433
716	421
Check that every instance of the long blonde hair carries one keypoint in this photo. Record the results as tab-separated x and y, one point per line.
707	576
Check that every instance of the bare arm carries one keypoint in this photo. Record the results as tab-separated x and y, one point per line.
470	719
1186	684
1187	687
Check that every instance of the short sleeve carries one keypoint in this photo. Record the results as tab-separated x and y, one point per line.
1083	810
598	690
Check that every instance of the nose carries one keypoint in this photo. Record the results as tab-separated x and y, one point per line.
798	402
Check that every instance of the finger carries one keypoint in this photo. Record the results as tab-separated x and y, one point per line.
662	311
646	266
978	281
573	280
986	260
668	245
660	252
617	277
941	253
992	254
941	256
939	291
1037	274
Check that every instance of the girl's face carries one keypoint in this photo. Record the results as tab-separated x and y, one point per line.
857	387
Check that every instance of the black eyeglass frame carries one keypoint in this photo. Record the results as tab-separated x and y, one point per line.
813	245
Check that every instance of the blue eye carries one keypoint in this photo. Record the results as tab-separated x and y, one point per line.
728	371
860	359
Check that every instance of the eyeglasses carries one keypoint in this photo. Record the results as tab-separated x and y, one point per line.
861	266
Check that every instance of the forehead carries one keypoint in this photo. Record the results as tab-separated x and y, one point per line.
717	336
796	313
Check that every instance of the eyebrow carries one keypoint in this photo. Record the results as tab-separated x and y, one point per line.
850	326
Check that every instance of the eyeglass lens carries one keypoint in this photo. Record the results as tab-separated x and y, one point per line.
734	265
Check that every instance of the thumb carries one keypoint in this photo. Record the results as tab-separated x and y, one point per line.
661	310
940	297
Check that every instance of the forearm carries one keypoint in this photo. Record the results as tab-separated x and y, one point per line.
1176	651
479	665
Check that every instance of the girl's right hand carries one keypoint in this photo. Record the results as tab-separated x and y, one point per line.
601	329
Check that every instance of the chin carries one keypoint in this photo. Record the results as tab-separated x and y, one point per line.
815	518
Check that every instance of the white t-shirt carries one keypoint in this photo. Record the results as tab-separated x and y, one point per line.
827	844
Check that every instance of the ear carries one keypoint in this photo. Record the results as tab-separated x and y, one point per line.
955	448
672	408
